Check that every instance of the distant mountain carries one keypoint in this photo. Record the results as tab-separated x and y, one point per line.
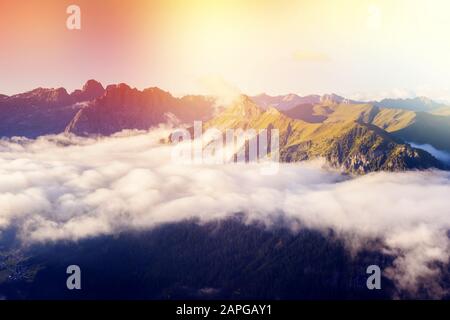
94	110
122	107
444	111
347	138
43	110
414	104
284	102
305	112
335	99
41	96
289	101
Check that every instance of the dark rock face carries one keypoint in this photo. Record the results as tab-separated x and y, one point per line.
91	90
43	111
94	110
290	101
125	108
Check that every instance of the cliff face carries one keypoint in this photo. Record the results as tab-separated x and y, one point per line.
95	110
43	111
122	107
90	91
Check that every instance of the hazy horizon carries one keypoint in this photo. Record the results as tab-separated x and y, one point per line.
224	86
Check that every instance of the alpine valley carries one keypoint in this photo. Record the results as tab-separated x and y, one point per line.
86	179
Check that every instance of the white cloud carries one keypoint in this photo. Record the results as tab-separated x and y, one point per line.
224	92
374	18
61	187
438	154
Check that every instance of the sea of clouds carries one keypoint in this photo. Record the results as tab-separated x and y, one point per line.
68	188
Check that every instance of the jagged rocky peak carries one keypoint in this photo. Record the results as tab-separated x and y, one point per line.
45	93
42	96
120	95
331	98
290	97
91	90
121	87
123	107
92	85
156	90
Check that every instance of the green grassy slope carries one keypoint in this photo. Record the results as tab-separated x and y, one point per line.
410	126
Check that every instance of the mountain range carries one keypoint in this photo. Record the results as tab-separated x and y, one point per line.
289	101
44	111
415	104
355	136
349	136
122	107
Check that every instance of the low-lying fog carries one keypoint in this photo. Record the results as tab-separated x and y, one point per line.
60	187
